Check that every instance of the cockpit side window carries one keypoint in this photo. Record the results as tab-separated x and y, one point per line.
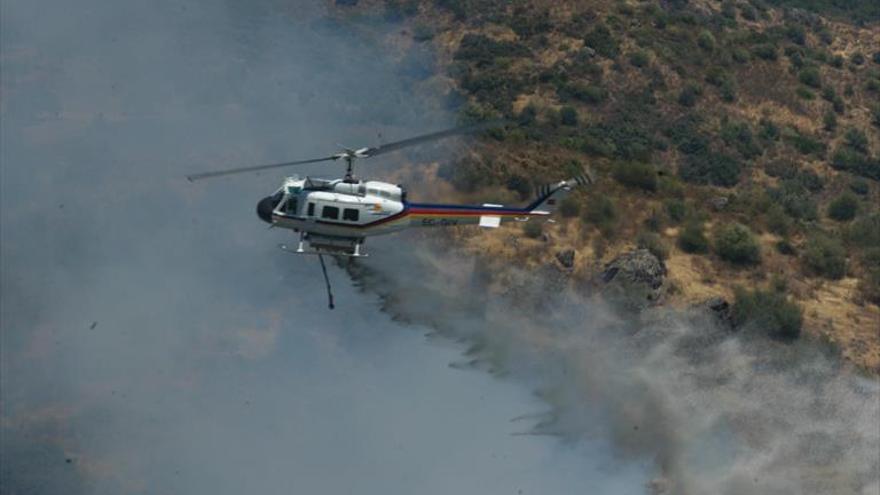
311	210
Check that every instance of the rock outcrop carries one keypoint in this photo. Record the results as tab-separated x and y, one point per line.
634	279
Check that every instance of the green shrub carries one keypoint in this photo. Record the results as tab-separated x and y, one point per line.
856	139
587	93
869	284
739	135
710	168
805	94
857	58
825	256
811	77
766	52
688	95
864	232
691	239
735	243
769	131
676	209
768	311
706	40
601	40
796	34
837	61
784	247
532	229
600	211
639	59
568	116
569	207
795	199
778	221
829	121
636	174
851	160
843	208
805	144
781	169
653	243
860	187
519	184
483	50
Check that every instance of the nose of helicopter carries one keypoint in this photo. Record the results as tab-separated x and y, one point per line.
265	207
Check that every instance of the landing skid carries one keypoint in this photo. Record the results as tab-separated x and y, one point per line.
319	251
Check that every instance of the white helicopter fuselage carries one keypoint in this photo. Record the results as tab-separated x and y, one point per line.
338	214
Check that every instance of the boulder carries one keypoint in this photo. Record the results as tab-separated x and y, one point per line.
566	258
634	280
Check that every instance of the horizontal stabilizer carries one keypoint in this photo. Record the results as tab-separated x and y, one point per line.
490	221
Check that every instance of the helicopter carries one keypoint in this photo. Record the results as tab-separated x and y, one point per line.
335	216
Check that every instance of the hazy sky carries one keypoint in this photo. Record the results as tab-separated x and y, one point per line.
154	339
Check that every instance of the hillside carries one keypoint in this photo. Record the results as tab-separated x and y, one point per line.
738	141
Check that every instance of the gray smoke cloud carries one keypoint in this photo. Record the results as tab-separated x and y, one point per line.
715	412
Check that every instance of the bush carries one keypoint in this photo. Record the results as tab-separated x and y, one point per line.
843	208
601	40
521	185
805	144
865	231
766	52
688	95
600	211
706	41
857	58
856	139
587	93
851	160
810	76
710	168
778	221
639	59
676	209
829	121
483	50
825	256
860	187
568	116
569	207
769	311
869	284
653	243
636	174
691	239
532	229
735	243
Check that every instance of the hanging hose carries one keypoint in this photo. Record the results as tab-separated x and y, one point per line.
327	281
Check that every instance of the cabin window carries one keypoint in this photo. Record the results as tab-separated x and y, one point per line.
291	206
350	214
311	211
330	212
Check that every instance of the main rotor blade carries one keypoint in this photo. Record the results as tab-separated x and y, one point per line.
218	173
387	148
